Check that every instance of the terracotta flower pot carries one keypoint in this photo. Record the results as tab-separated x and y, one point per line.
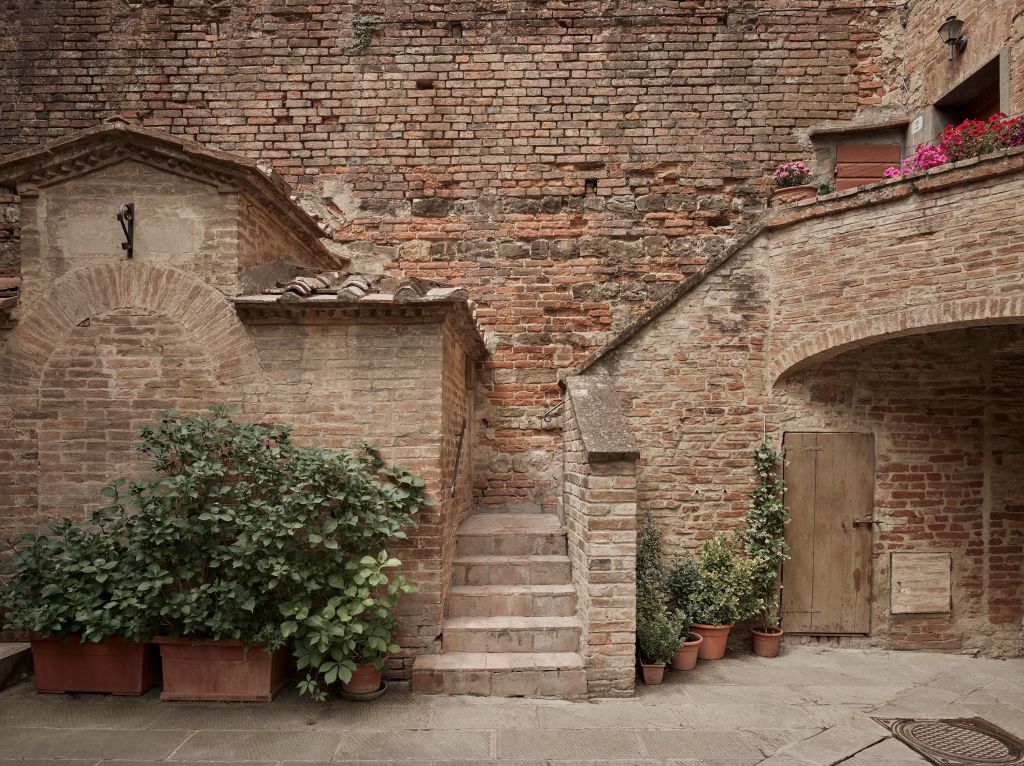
113	667
715	639
766	641
219	671
653	674
787	195
365	679
686	655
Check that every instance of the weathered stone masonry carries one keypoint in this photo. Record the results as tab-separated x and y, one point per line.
565	162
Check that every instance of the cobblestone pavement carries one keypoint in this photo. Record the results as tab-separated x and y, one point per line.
809	706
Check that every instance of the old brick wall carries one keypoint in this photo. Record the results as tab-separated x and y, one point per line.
567	162
989	26
946	417
822	284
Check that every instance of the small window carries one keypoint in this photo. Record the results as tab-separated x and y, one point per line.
976	98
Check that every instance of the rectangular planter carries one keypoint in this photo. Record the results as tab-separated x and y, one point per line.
113	667
219	671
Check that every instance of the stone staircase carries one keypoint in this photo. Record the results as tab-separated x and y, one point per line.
510	627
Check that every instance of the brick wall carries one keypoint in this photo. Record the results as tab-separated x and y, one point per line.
945	414
598	510
567	162
823	284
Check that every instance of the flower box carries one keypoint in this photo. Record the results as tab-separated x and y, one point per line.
113	667
219	671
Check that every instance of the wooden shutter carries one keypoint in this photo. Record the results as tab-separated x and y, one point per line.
859	164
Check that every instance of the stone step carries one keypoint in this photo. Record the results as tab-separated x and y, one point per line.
511	534
510	634
512	570
518	600
557	675
15	663
527	508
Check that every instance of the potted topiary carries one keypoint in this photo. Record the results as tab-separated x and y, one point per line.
681	583
247	540
723	595
73	591
765	544
792	183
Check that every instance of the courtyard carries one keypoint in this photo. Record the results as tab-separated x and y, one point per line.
808	706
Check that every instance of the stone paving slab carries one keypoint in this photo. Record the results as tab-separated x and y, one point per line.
415	745
89	743
725	713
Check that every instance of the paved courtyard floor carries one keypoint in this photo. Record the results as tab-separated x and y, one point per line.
810	706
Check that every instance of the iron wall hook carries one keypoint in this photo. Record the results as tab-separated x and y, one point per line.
126	217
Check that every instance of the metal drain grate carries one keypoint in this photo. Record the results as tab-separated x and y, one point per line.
957	741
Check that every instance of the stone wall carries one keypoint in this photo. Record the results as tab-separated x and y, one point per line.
567	162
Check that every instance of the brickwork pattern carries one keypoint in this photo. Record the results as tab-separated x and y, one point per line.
598	511
567	162
699	384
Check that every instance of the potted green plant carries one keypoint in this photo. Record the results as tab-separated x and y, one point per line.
723	595
247	540
657	634
72	590
765	544
792	181
681	582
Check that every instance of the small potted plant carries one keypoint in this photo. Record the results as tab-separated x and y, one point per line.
723	595
681	583
792	182
657	636
764	542
73	592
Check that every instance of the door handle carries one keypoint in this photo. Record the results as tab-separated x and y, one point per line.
865	520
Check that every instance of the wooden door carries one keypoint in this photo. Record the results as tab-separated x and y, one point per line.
830	495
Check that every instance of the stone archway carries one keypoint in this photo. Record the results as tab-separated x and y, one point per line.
850	336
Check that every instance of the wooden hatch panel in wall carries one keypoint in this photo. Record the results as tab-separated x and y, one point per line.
829	492
861	164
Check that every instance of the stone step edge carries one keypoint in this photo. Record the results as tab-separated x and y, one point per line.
511	623
472	559
495	662
468	529
482	591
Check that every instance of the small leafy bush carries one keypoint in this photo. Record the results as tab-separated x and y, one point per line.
659	632
75	581
725	589
682	582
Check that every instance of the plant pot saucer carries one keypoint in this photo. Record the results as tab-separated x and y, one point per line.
364	696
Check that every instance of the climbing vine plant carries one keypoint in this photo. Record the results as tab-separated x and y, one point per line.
363	30
764	537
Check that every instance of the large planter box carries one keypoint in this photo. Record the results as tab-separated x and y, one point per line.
113	667
219	671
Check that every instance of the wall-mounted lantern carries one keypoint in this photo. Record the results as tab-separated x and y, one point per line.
126	217
952	34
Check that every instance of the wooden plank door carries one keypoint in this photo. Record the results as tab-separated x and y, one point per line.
830	495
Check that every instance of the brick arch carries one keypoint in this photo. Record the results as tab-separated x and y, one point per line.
948	315
201	311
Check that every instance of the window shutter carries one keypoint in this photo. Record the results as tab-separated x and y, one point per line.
860	164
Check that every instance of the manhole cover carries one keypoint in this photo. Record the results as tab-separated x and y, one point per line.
957	741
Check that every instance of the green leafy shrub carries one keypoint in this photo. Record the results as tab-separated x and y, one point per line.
682	582
248	536
764	536
75	581
659	632
725	589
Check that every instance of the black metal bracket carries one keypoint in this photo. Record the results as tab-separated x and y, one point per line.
126	217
